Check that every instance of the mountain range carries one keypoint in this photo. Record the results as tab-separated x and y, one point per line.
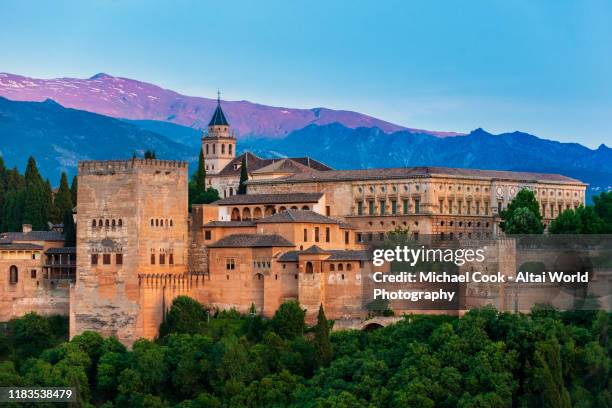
130	99
106	117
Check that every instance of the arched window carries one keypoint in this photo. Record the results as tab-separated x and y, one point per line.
170	222
108	223
120	222
349	267
157	222
213	148
222	149
229	149
113	223
305	208
332	267
13	274
152	222
206	148
231	191
100	223
93	223
309	267
340	267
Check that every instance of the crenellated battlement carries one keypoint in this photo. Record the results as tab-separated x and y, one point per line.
101	167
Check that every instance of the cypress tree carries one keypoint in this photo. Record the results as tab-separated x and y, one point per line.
14	201
74	190
63	198
35	210
244	176
200	175
323	347
69	229
49	211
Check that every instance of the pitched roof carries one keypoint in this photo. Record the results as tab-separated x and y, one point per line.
251	240
218	118
229	224
334	255
255	162
286	198
297	216
418	172
284	166
315	249
32	236
61	250
19	246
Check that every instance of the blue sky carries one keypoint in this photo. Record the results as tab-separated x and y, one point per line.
544	67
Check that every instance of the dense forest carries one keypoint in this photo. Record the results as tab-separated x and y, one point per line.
206	358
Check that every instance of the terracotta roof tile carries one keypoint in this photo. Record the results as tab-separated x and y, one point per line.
251	240
288	198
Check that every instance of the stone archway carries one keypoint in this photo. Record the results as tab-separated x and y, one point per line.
235	214
257	213
270	210
246	213
282	208
309	268
305	207
293	207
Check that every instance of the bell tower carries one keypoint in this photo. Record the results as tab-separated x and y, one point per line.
218	145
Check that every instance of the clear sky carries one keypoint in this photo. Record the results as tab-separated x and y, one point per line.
544	67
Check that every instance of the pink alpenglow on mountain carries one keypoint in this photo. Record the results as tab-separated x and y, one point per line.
131	99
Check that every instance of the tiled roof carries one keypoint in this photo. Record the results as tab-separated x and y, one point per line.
255	163
334	255
284	166
417	172
297	216
315	249
287	198
32	236
251	240
61	250
229	224
19	246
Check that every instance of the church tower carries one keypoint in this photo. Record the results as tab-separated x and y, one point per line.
219	146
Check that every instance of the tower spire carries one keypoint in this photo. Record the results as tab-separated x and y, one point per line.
218	97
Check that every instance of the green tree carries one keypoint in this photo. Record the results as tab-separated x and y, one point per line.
63	198
37	198
185	316
522	215
199	176
603	208
548	375
69	229
323	344
288	321
244	176
566	223
582	220
198	193
31	334
150	154
74	188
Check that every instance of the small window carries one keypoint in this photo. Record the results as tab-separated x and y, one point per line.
171	259
340	267
349	267
119	259
152	222
207	235
113	223
152	259
162	259
332	267
33	273
107	223
230	264
327	234
305	235
157	222
171	222
13	274
106	259
120	222
94	259
346	237
93	223
316	234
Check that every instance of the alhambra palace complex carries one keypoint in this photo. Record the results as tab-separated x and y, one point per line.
301	232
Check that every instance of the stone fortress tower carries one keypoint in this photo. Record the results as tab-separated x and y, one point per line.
132	227
219	146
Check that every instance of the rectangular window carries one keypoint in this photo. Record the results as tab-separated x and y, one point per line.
305	235
459	207
171	259
119	259
106	259
327	210
358	237
207	235
230	264
468	206
486	207
371	207
33	273
552	210
359	207
346	237
417	206
382	207
94	259
560	208
405	206
499	207
416	236
152	259
327	234
370	237
477	207
441	208
316	234
393	207
162	259
381	236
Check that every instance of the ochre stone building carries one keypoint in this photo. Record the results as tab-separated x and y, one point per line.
301	232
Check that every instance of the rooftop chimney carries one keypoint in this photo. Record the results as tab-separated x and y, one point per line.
27	228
